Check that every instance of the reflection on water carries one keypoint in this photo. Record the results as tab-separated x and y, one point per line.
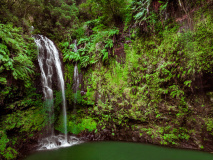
119	151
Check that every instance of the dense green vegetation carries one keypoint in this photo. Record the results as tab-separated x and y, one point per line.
159	92
146	66
21	106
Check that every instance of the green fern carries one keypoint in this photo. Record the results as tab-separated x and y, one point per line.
85	61
93	48
17	60
105	55
141	8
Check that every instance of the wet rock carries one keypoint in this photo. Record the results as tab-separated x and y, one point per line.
134	139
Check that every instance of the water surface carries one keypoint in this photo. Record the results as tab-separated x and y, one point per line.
119	151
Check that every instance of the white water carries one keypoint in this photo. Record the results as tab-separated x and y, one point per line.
48	59
75	76
75	48
45	60
56	142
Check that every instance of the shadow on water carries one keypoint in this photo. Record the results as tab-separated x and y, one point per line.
119	151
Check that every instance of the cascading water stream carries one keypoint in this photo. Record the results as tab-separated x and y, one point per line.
76	82
48	59
45	60
75	76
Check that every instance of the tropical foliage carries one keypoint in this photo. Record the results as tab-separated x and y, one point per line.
94	48
145	67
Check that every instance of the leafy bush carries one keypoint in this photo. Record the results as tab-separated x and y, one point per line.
112	11
3	141
26	121
6	152
94	47
77	123
146	16
16	53
10	153
76	127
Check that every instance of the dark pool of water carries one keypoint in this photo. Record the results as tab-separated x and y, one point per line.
119	151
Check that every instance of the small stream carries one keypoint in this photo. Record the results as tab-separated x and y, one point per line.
119	151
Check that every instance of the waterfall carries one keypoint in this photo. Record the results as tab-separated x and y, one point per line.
49	60
75	48
75	76
46	60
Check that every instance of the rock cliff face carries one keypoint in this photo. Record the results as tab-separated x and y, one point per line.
124	114
148	93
